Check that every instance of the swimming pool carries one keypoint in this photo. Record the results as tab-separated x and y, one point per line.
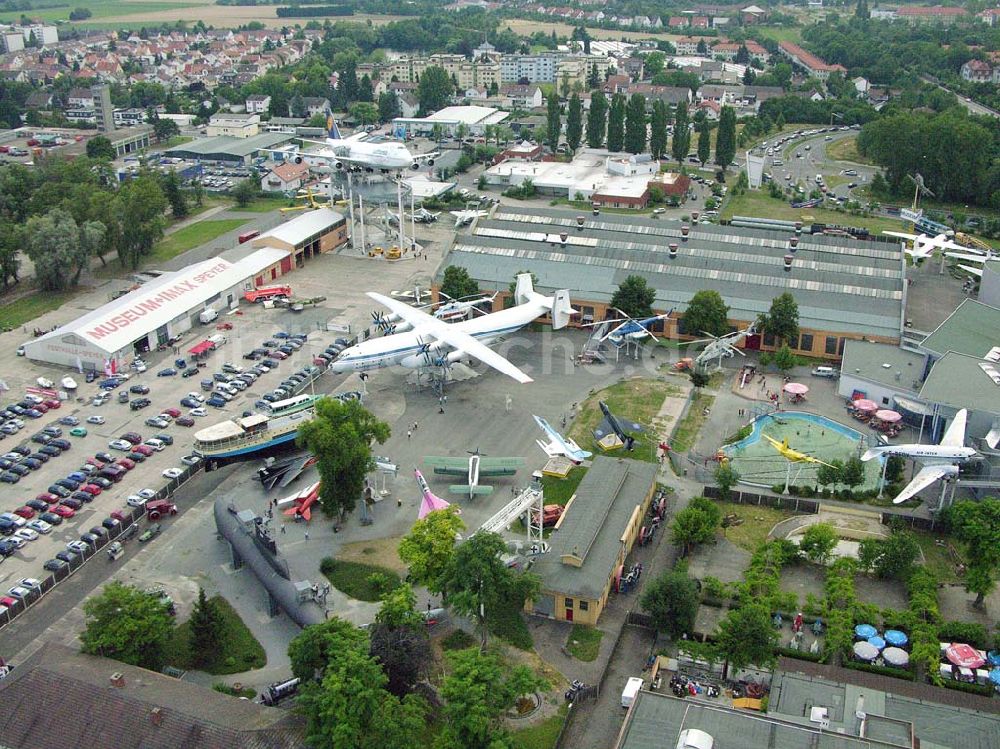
760	464
777	418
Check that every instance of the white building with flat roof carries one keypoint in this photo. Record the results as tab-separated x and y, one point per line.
111	335
475	118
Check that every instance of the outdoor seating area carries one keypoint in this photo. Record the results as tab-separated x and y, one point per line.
962	662
885	649
795	391
883	420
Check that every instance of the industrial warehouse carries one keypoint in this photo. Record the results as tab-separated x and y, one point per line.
846	288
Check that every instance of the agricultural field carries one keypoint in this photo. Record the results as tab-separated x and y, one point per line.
104	9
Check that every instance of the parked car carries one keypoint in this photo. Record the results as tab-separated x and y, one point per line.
134	437
63	511
120	445
55	565
156	422
42	525
139	389
168	372
184	421
139	403
95	419
136	457
69	421
166	439
50	518
78	432
28	534
172	473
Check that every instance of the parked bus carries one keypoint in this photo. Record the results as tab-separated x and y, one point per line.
248	235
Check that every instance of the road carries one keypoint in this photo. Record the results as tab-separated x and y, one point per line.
969	104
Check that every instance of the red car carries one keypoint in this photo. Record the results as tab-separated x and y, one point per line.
91	489
134	437
125	463
7	601
120	516
63	511
95	462
47	497
172	412
184	421
41	407
52	403
143	450
281	355
25	512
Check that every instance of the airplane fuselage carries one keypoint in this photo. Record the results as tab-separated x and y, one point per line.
376	155
473	471
391	350
931	452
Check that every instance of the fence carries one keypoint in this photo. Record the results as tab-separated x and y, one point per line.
796	504
131	515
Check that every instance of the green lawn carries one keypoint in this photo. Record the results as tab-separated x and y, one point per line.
688	428
177	140
584	642
558	491
101	9
781	33
937	558
191	236
355	579
759	203
27	308
240	650
757	523
846	149
638	400
264	205
541	735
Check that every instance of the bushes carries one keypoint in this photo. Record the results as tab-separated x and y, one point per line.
802	655
925	651
899	673
523	192
458	640
980	689
971	632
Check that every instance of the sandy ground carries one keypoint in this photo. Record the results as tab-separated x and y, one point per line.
526	26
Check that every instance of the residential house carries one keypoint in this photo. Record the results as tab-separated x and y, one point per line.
285	177
39	100
409	105
518	96
809	62
933	14
258	104
236	125
752	14
670	95
977	71
80	98
616	84
989	16
315	105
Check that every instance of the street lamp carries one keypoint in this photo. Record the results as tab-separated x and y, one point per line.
834	114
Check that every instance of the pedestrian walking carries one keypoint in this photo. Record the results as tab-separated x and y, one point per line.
409	433
282	527
414	426
307	535
399	501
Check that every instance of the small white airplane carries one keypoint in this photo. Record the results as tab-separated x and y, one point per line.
476	466
923	246
559	445
453	311
355	151
423	216
939	461
433	342
466	217
416	295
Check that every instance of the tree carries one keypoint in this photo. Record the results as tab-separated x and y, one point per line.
172	191
206	630
99	147
366	92
818	542
726	477
889	557
55	247
706	314
574	122
351	709
340	435
742	55
388	106
399	641
854	471
749	76
702	48
654	64
682	136
658	129
672	601
635	297
830	474
126	624
245	192
725	141
593	77
746	636
782	320
695	524
164	129
457	283
480	585
597	119
704	141
635	124
429	548
478	691
977	524
434	89
616	123
315	646
861	10
553	126
364	112
783	358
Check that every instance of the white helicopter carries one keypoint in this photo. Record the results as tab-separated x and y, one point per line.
720	347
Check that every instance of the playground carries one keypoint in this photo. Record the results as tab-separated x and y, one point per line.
760	463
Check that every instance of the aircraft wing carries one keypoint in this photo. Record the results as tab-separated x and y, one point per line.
924	478
295	470
450	335
499	466
901	235
603	429
448	466
970	269
954	435
967	257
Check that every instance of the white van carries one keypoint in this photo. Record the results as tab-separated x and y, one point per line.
218	339
632	688
828	372
208	315
156	444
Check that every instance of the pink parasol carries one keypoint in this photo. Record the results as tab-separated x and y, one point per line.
964	656
796	388
863	404
431	503
889	417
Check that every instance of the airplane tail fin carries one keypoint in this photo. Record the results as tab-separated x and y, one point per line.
331	128
561	309
873	452
473	490
525	289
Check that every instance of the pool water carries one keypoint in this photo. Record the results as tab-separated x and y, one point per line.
758	462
